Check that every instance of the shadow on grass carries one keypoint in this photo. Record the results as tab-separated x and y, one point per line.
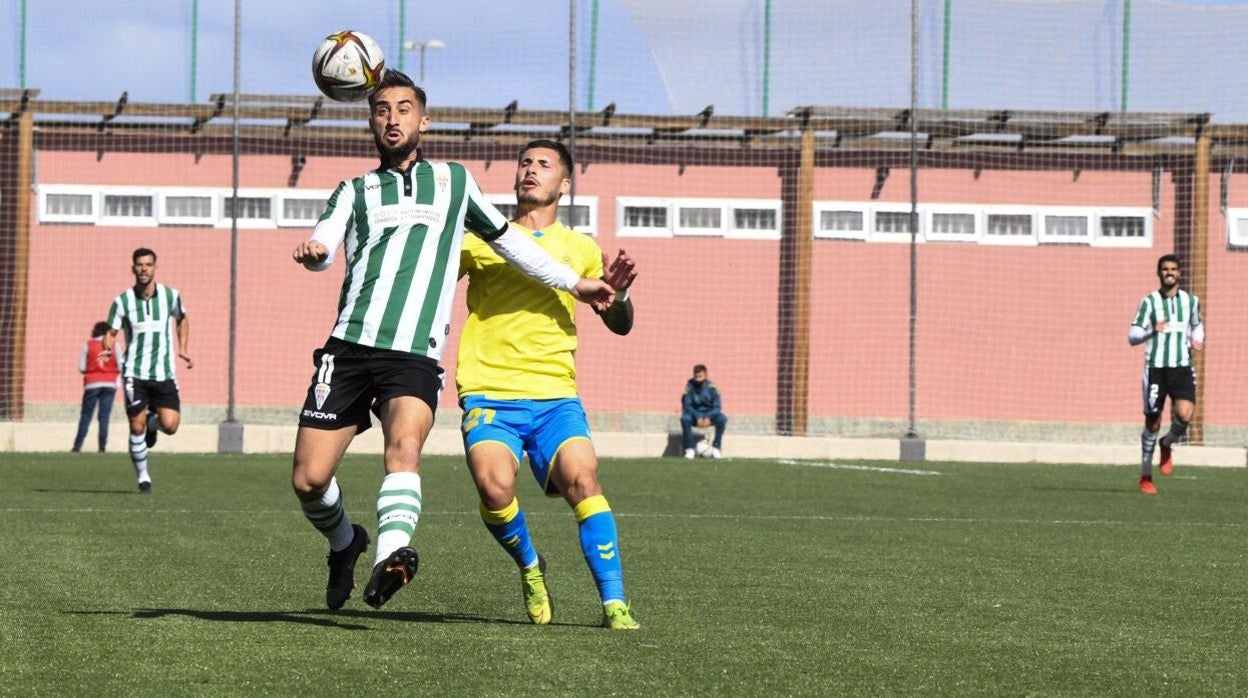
47	490
311	616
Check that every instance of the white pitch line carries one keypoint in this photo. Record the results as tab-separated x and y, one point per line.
866	468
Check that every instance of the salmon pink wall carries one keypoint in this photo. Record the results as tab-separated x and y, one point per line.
1032	333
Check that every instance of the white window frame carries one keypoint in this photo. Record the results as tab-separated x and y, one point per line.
819	207
1233	237
928	213
46	190
279	214
751	234
1089	215
208	221
680	204
1123	211
589	202
103	219
873	236
224	221
1030	240
623	230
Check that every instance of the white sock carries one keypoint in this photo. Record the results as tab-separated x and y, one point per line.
138	456
398	511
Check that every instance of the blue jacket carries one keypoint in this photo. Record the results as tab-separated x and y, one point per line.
700	401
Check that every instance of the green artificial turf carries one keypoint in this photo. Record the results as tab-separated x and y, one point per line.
749	577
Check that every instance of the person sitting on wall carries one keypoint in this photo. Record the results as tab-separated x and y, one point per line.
701	406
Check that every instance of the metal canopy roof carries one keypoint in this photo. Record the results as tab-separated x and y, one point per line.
306	117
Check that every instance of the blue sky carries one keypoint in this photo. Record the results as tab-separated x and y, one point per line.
661	56
96	50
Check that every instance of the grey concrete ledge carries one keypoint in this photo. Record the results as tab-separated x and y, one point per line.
49	437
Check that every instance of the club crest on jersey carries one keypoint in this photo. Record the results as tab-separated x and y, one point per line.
321	392
443	181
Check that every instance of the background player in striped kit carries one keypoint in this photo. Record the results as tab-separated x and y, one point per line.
149	375
1168	323
401	227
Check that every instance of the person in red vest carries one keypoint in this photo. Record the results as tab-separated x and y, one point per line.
99	371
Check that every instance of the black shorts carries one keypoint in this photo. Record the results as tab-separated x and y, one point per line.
1160	383
350	379
141	393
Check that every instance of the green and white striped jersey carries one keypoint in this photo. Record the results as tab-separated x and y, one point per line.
150	352
401	234
1172	347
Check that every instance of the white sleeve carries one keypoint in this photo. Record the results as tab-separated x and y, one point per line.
1198	333
331	230
480	216
528	257
1137	334
82	360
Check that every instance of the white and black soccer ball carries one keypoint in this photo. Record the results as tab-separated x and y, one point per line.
347	66
703	449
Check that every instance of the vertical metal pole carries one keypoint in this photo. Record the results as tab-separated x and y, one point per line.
403	39
944	64
1199	266
766	56
194	46
593	53
800	405
571	222
21	60
238	43
914	208
1126	51
15	333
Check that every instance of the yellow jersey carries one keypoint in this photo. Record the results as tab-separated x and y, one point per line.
519	340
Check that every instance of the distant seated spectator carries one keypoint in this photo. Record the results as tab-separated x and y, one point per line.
700	406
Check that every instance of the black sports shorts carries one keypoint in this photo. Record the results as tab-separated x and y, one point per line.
350	379
141	393
1176	383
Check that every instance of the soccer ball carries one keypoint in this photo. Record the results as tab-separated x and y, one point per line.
347	66
702	448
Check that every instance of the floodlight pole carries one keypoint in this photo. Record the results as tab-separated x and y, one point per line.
238	43
21	61
423	46
402	32
230	432
571	222
912	446
1126	51
194	46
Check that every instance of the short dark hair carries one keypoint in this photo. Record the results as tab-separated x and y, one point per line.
142	252
99	328
699	368
565	157
1168	258
394	78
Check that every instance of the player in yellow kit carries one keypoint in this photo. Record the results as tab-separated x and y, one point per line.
517	386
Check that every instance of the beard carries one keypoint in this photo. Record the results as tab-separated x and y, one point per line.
398	153
536	199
